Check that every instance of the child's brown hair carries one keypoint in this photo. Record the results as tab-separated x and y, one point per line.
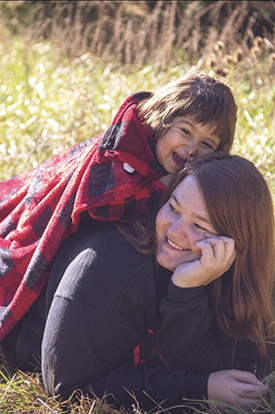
206	99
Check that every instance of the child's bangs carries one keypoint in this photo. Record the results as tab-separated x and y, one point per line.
215	114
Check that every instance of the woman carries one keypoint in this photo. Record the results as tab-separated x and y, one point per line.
167	309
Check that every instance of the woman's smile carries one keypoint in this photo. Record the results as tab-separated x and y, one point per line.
174	245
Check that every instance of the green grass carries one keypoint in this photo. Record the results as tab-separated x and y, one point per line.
48	102
24	394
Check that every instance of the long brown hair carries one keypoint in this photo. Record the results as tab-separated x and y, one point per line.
208	100
239	205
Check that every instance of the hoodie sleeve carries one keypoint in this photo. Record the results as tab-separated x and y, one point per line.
203	347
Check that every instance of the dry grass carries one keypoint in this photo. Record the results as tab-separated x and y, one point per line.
220	33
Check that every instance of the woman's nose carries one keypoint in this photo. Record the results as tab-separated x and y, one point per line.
182	233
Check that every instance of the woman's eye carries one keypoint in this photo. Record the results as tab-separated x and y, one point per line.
172	208
200	227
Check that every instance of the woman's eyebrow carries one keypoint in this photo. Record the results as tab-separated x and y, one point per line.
204	219
175	199
196	216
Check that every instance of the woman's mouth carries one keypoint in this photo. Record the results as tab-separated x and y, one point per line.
179	160
174	245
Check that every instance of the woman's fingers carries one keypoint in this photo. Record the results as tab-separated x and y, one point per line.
250	386
217	255
237	388
221	245
217	252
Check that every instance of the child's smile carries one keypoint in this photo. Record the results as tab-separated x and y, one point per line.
179	159
184	138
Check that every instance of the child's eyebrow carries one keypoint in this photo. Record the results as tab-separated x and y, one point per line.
183	121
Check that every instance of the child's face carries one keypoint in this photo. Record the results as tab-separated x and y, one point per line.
184	137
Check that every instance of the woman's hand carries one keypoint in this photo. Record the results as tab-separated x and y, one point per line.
236	388
217	255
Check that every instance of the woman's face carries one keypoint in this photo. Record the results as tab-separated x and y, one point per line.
180	224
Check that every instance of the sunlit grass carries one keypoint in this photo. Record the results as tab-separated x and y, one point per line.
23	393
47	104
255	132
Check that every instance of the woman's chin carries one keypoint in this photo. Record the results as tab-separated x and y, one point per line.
168	262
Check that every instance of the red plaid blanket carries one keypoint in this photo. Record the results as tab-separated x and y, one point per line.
108	175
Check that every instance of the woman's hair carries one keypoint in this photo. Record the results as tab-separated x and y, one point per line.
209	101
239	205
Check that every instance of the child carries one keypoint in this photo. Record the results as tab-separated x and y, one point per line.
110	176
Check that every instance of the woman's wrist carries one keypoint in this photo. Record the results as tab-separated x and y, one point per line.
185	283
180	294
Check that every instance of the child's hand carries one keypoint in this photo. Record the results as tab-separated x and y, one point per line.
217	255
238	388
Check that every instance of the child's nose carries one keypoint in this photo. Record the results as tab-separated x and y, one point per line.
192	149
193	153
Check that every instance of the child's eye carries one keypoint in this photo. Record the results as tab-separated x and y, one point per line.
208	145
185	131
172	208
